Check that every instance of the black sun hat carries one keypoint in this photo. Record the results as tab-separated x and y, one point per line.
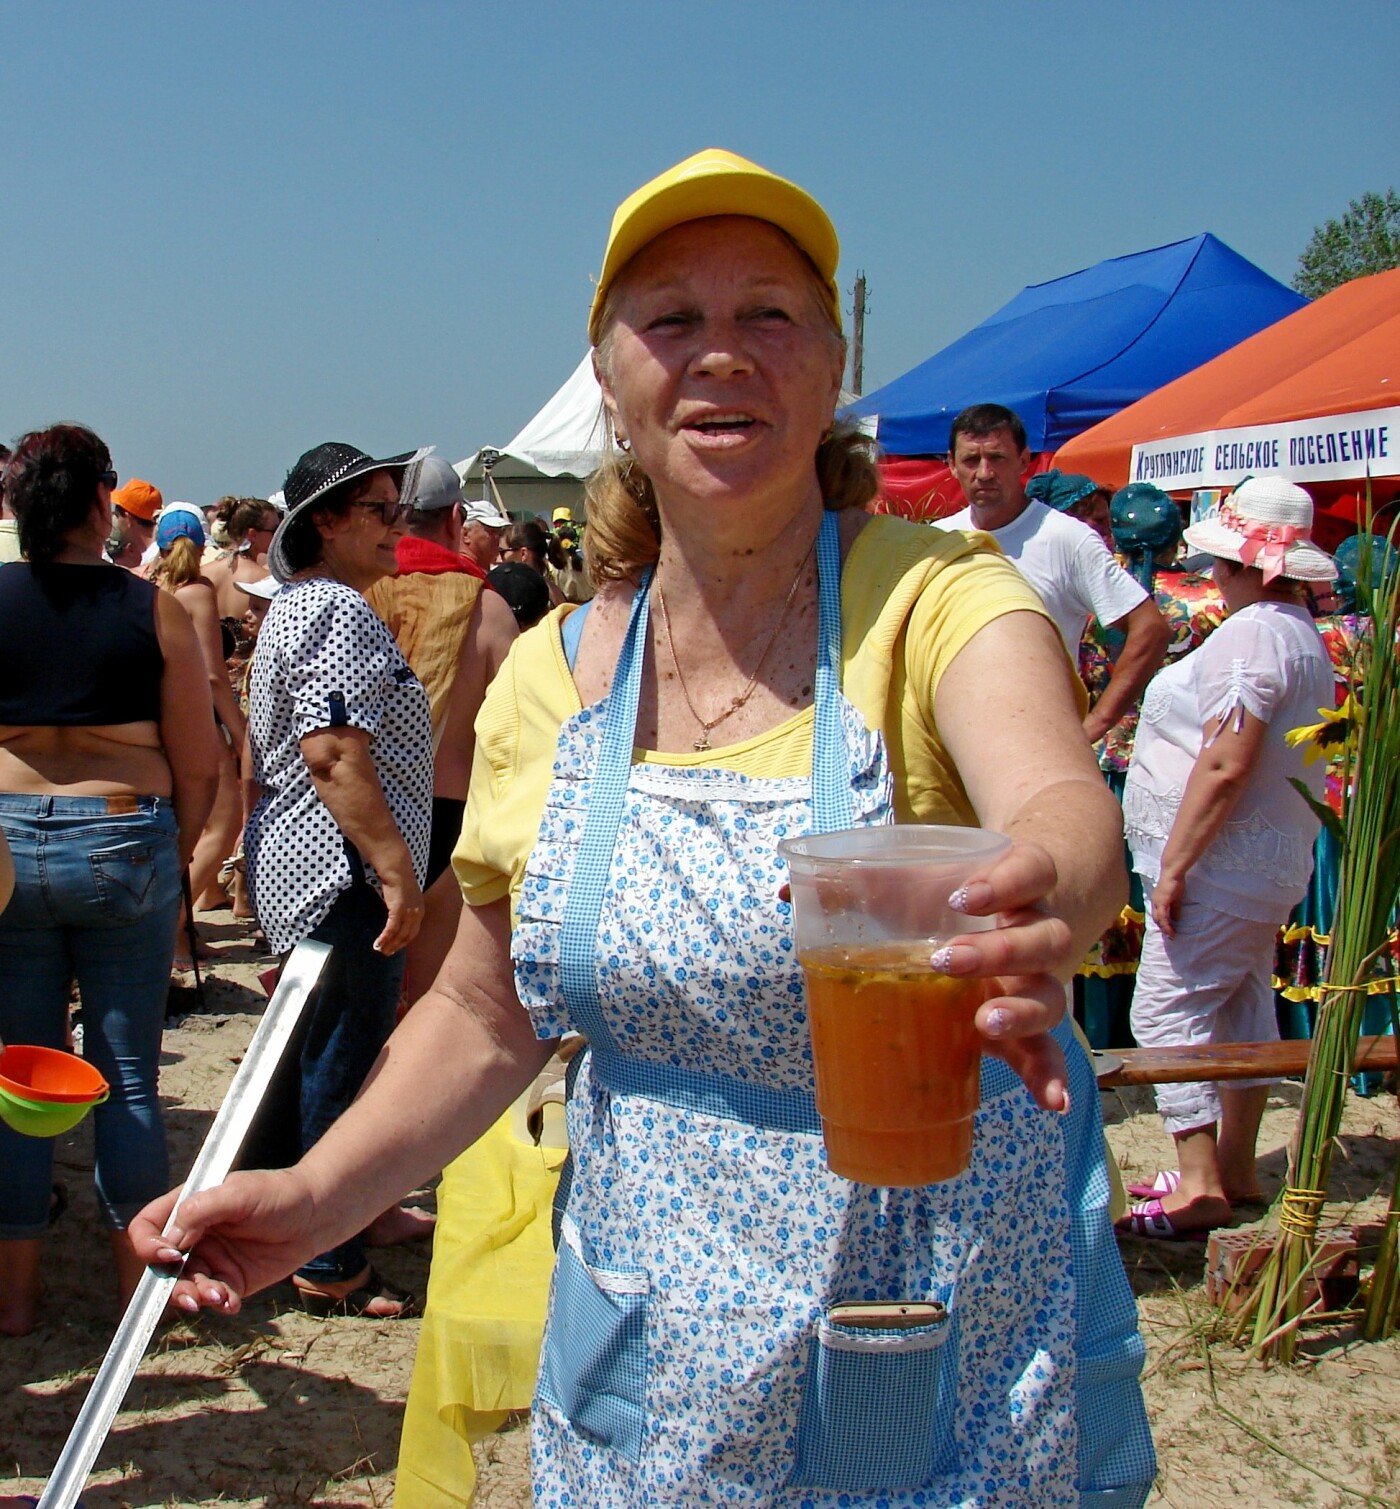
324	467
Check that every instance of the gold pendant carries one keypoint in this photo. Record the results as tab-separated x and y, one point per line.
703	742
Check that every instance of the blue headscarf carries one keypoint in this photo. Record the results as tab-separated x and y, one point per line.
1379	567
1145	521
1061	490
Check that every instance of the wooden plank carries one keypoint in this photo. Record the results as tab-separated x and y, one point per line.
1223	1061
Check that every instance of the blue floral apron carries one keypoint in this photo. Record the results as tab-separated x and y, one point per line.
689	1358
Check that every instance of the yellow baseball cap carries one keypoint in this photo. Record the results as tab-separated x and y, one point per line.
715	182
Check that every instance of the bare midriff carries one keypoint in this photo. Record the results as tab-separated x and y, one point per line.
897	1058
112	759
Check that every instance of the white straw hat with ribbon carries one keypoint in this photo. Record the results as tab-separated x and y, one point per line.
1266	522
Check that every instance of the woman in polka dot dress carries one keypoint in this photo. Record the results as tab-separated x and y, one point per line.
337	844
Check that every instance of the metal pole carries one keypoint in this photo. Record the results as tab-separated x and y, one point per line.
858	338
211	1167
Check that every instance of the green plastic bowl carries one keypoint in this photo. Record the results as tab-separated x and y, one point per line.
43	1118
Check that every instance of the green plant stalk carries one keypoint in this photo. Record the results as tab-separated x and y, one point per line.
1383	1298
1368	886
1382	1313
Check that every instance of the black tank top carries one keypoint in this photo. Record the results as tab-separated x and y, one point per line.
78	647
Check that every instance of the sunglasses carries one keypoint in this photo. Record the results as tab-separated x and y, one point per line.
389	513
107	478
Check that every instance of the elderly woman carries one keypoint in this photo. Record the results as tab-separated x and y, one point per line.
762	658
107	773
1222	841
338	843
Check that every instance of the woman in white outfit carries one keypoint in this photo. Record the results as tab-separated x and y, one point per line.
1222	840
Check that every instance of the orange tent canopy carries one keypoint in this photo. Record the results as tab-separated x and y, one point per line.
1339	355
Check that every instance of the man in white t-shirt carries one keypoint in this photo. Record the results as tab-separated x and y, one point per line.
1062	558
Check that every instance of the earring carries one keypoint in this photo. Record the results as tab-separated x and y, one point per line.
622	443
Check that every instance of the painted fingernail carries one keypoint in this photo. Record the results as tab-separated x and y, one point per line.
998	1023
217	1295
188	1302
1064	1109
954	959
170	1255
958	900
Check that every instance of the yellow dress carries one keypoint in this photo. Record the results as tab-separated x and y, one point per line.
479	1348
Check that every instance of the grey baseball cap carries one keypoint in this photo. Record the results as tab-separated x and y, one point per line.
438	486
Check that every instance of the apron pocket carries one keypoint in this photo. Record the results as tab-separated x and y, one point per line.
877	1406
595	1361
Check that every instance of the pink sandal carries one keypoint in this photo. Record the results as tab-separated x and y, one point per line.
1166	1183
1147	1219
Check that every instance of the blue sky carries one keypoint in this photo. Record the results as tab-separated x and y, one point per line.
231	232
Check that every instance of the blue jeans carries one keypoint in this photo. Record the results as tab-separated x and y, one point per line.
97	900
342	1028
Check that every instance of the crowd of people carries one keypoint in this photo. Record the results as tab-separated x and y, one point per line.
174	759
533	794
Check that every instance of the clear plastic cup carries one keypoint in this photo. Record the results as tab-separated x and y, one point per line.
895	1048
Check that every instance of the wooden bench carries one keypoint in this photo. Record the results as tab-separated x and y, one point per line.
1156	1066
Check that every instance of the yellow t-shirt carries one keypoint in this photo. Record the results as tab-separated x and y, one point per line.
911	598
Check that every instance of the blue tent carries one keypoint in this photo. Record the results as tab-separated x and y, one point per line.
1067	354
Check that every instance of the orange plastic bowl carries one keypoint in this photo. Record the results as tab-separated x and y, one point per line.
51	1075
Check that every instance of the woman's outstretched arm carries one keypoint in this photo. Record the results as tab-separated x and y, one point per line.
454	1064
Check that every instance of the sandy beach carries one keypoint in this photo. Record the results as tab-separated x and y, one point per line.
277	1408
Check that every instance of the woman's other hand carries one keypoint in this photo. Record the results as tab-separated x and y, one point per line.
1023	955
403	899
1166	901
241	1236
342	770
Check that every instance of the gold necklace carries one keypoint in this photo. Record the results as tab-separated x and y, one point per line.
703	742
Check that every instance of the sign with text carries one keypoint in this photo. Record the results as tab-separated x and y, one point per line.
1331	448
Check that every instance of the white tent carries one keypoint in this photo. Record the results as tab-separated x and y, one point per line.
544	466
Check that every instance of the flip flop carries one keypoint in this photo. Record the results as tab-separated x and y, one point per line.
1148	1220
358	1301
1165	1183
1168	1181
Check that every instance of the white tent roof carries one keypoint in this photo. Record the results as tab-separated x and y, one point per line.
565	439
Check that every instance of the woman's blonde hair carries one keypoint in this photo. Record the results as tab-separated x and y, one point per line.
624	528
179	566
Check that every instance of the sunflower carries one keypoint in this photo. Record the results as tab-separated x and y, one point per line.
1337	732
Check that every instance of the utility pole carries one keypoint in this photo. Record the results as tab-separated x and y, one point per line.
858	337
